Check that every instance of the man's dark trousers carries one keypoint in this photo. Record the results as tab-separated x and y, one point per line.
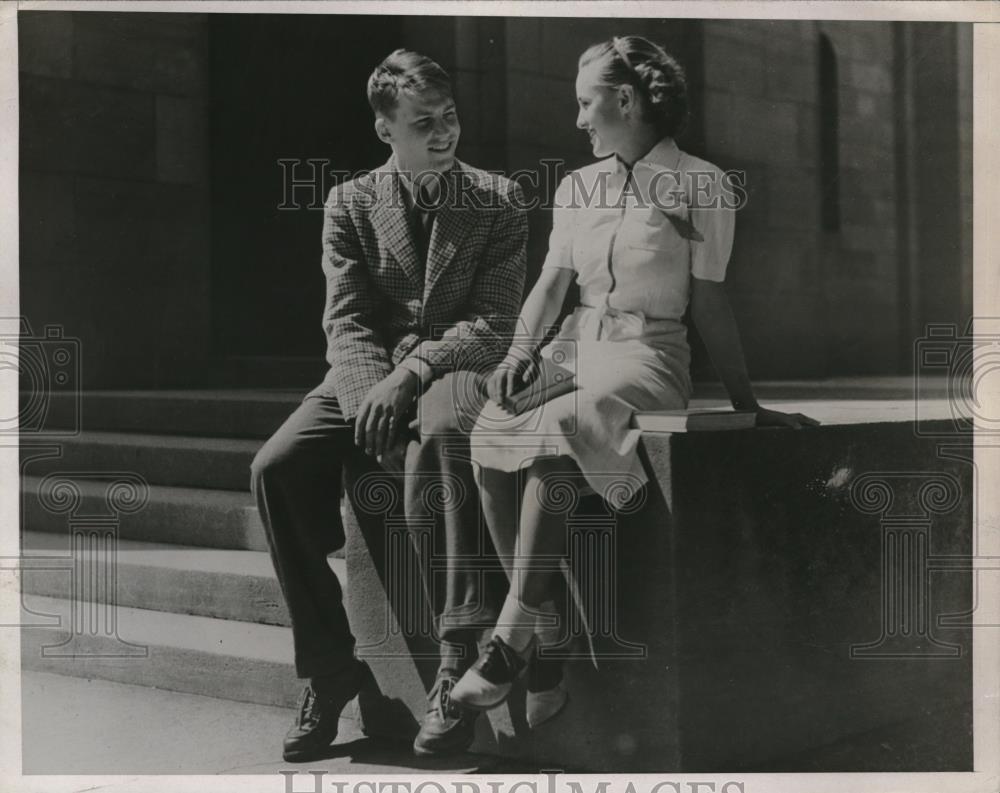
296	480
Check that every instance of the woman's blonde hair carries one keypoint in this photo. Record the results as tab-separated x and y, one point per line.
656	76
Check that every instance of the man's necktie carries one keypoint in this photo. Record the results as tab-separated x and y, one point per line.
424	222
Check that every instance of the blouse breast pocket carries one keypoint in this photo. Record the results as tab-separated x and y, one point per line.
654	230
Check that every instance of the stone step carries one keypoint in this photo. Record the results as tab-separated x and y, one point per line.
241	661
177	461
225	584
182	515
212	413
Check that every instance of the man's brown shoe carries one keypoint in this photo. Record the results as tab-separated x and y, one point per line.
316	725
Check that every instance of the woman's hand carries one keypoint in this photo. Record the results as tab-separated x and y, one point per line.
510	377
502	385
775	418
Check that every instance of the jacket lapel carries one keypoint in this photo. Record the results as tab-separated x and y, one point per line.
390	220
452	225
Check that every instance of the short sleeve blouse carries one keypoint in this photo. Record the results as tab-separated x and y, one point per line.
635	239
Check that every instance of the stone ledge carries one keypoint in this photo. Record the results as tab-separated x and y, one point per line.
739	585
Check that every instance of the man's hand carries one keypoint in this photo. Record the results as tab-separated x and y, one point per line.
384	408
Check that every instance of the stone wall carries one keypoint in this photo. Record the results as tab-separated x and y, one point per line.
115	175
115	228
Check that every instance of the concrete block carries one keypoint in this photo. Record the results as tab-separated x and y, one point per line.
47	225
184	27
856	129
468	100
732	65
747	575
751	129
185	516
564	41
875	78
494	108
850	42
753	213
744	30
134	53
788	609
868	237
792	77
524	44
432	36
808	124
467	43
212	463
793	198
81	128
147	242
540	108
181	140
782	264
492	45
45	43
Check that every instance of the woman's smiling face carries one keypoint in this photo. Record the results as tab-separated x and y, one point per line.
600	114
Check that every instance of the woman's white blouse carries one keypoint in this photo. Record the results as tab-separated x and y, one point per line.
613	230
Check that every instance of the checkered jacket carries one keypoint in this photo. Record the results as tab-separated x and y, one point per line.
381	308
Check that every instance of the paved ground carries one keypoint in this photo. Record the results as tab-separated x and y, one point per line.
76	726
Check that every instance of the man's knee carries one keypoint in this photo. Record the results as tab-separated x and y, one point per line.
451	406
276	457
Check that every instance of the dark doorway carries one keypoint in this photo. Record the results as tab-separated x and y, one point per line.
284	87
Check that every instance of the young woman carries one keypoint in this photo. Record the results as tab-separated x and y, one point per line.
645	231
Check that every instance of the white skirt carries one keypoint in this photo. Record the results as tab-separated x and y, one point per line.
621	363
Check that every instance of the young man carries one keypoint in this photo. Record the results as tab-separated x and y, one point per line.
424	261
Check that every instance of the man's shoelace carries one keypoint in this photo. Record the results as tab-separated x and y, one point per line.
440	697
308	711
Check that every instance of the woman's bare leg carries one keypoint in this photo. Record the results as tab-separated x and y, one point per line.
500	498
542	534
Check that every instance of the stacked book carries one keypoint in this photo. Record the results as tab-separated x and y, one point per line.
693	420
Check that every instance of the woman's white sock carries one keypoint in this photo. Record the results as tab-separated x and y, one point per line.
547	624
516	624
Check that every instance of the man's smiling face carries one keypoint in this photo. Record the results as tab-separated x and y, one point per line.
423	132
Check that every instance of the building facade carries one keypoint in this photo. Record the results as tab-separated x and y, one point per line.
173	168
